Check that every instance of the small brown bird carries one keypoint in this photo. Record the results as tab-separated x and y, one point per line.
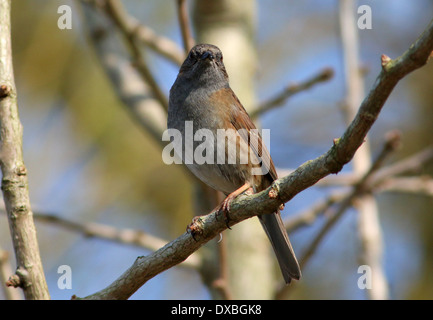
202	98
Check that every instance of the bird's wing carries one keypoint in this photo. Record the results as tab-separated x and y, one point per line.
240	119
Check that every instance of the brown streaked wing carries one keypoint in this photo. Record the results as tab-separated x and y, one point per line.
240	119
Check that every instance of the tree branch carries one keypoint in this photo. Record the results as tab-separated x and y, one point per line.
384	180
421	185
308	216
148	37
14	184
411	164
128	85
359	190
5	272
324	75
361	187
137	238
284	189
184	22
116	12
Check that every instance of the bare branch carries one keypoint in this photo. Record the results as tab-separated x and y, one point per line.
420	185
14	182
346	200
148	37
324	75
129	86
164	46
308	216
411	164
358	190
384	180
6	271
184	22
116	12
120	235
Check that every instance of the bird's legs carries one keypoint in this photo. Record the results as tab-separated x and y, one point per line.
225	205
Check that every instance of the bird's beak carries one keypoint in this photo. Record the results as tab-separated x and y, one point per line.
206	55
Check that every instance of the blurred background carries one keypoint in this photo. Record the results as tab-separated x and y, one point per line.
89	161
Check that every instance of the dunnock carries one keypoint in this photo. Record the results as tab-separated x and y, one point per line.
201	94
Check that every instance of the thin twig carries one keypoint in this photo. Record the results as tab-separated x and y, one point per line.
411	164
161	45
309	216
360	189
128	85
420	185
164	46
137	238
184	22
384	180
6	271
323	75
116	12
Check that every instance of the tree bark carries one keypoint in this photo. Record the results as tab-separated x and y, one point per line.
29	274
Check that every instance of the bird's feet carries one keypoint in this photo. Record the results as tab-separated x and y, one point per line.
224	207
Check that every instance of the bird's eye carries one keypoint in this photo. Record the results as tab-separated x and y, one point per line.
192	55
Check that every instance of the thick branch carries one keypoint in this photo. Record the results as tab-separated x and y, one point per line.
14	182
284	189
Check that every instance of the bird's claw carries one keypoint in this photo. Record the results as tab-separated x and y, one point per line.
224	209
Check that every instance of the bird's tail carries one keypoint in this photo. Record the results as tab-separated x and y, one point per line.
274	227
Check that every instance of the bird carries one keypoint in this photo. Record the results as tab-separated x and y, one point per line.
202	99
